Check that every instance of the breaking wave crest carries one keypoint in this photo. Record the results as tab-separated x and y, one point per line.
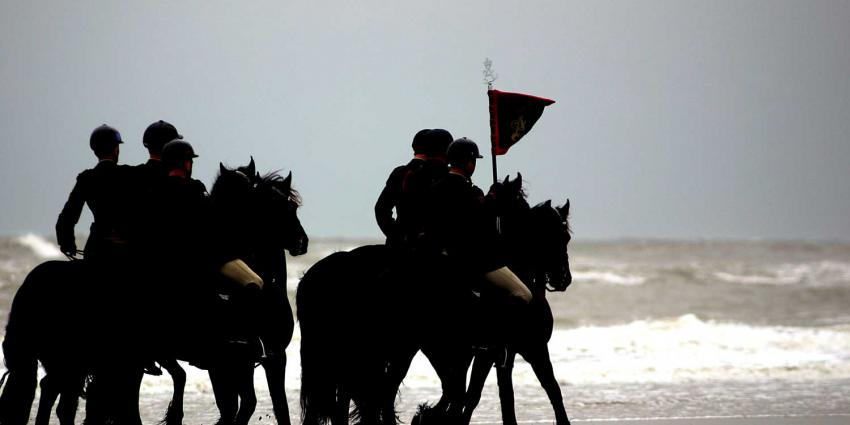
688	348
815	274
39	246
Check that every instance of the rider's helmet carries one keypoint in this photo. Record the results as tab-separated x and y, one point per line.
158	134
104	139
438	142
420	141
175	152
462	151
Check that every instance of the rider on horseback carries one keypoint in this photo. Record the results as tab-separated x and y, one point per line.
183	229
390	196
464	226
462	223
406	190
103	189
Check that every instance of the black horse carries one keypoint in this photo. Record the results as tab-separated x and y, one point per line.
263	212
362	321
64	291
536	240
547	229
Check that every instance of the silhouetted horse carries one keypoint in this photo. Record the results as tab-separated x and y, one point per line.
536	241
61	289
264	212
546	230
362	321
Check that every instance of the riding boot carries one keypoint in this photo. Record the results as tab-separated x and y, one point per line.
246	303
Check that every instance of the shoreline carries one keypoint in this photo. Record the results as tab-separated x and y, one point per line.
834	419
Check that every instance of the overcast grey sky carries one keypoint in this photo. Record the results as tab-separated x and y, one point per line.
674	119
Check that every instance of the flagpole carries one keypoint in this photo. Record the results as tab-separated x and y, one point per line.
489	77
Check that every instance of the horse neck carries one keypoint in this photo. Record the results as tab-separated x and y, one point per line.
522	250
270	263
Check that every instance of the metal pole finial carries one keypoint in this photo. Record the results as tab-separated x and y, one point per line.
489	75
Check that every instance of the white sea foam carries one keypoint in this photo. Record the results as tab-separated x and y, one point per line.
816	274
39	246
687	348
608	278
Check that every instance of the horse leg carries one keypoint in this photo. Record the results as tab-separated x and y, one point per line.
19	391
244	385
506	390
542	366
72	389
451	365
480	370
275	369
438	362
129	384
226	398
174	414
49	394
342	407
96	402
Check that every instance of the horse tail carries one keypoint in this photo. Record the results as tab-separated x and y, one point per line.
20	346
320	356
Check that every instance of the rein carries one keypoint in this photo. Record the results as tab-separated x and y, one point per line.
73	257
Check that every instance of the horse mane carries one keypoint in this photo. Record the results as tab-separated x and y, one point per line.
275	180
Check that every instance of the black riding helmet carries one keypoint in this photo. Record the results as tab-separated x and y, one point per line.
177	151
438	142
104	139
420	141
158	134
462	151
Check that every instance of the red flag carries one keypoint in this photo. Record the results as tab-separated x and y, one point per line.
511	116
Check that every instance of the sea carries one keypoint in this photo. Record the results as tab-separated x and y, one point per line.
648	329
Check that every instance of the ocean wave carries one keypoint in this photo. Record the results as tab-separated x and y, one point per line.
688	348
821	273
39	246
682	349
608	278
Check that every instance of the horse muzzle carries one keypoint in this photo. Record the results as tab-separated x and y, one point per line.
561	283
300	246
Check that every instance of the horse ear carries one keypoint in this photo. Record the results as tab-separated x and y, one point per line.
252	169
507	178
565	210
288	180
516	184
221	168
548	204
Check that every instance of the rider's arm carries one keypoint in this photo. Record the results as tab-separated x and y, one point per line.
69	216
387	200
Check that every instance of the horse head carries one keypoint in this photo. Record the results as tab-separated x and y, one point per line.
551	236
509	195
279	203
265	206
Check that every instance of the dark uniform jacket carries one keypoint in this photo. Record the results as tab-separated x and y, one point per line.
462	224
391	197
147	178
180	218
150	171
105	189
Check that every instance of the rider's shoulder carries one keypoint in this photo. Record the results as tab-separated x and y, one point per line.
397	174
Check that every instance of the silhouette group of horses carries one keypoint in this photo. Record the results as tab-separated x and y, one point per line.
363	314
